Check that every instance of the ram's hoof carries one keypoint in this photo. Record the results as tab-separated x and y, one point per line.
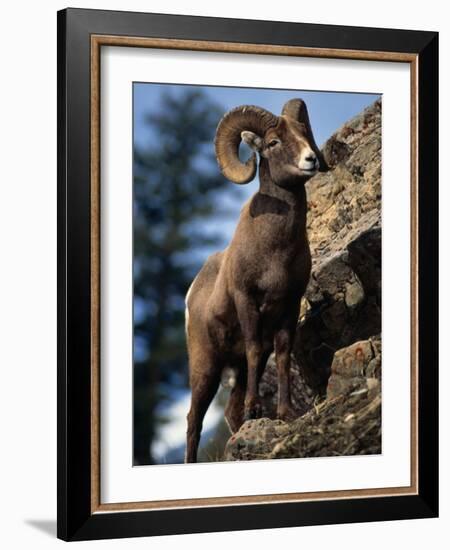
287	414
253	412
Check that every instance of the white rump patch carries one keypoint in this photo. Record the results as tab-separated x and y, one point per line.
186	311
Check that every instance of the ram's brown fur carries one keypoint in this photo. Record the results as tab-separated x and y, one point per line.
244	303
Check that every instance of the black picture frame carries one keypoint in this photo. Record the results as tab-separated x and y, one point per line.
76	521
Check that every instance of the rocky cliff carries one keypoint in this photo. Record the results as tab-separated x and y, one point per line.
336	362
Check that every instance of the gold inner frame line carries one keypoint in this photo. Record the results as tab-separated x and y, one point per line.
97	41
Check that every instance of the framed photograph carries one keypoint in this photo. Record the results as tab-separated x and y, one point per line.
247	254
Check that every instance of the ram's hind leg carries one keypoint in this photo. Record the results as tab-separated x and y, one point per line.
235	409
204	381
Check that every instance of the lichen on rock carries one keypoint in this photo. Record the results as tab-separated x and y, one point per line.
346	422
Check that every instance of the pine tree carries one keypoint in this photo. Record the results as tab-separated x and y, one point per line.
177	188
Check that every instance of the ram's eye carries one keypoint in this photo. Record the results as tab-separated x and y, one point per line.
274	142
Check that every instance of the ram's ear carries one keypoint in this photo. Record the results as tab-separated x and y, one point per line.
252	140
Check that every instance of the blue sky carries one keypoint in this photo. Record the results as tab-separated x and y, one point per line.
327	110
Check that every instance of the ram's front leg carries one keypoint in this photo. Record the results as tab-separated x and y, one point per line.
283	342
249	320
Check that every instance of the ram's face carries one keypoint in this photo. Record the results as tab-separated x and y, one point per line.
289	152
285	144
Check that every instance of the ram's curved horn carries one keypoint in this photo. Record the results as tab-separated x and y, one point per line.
228	137
296	109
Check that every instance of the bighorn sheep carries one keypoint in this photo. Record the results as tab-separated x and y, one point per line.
244	302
